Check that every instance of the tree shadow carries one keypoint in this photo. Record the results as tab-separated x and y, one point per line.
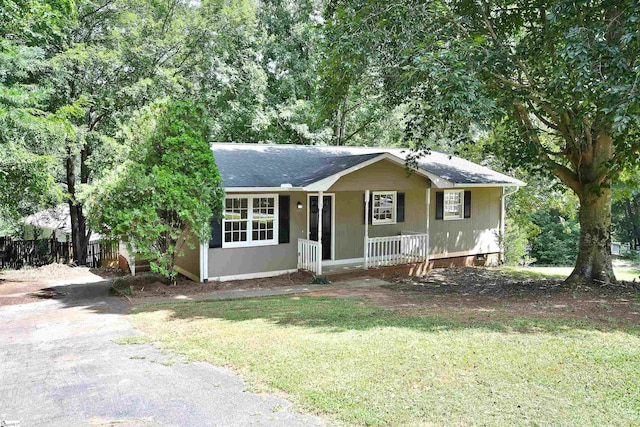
336	315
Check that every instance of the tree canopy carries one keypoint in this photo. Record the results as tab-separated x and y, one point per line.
556	81
167	189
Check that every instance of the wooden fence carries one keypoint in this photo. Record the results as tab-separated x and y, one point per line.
18	253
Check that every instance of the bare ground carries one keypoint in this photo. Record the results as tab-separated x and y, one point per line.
32	284
480	294
469	294
150	287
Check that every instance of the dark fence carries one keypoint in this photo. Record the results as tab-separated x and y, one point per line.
18	253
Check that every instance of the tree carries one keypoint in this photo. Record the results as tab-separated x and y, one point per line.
29	31
120	56
168	189
626	210
557	241
555	80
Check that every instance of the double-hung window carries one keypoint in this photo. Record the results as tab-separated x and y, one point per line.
250	221
453	204
384	207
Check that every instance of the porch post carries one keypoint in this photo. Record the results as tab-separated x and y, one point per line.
366	229
320	206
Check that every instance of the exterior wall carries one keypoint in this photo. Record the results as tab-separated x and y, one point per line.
259	259
189	263
468	236
349	235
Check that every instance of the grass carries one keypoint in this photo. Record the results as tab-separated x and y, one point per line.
622	273
360	364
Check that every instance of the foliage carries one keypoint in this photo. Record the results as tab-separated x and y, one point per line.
516	245
557	243
626	209
555	80
320	280
30	30
168	189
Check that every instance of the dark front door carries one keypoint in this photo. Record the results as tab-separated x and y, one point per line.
326	223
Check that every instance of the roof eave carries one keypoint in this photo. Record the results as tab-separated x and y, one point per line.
493	184
261	189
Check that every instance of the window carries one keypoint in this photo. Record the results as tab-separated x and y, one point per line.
250	221
453	204
384	208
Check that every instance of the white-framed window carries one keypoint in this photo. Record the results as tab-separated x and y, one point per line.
250	220
453	204
384	206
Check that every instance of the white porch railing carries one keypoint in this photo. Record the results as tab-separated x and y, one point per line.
310	256
396	250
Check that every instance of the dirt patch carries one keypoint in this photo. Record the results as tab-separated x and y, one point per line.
150	287
479	294
32	284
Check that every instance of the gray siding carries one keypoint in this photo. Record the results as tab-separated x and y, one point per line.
350	221
258	259
475	235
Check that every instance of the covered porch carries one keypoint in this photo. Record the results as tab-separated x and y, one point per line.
400	248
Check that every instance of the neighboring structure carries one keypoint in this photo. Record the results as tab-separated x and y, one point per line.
373	211
46	238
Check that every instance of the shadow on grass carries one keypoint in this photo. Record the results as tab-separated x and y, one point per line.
330	314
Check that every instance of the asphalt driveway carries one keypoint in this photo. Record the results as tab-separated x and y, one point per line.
60	366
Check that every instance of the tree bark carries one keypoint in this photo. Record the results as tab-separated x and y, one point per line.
79	239
593	265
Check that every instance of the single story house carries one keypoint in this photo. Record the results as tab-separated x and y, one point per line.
291	207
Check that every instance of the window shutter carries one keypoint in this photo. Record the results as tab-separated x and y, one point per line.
439	204
364	205
400	208
284	211
216	233
467	204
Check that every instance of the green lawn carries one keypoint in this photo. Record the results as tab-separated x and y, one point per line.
359	364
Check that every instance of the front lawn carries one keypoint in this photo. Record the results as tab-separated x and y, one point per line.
359	363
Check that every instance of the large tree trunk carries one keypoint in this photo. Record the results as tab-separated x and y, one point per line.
79	238
593	264
593	187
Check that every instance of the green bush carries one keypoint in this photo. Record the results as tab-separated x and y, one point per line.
320	280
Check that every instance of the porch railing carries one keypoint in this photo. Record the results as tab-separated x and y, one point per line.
396	250
310	256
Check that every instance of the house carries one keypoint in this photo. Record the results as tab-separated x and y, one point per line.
293	207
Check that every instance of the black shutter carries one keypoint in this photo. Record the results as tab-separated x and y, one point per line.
216	234
284	212
400	208
467	204
439	204
364	206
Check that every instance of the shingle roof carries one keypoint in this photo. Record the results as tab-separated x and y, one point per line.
260	165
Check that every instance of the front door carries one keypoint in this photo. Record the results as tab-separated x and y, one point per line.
326	223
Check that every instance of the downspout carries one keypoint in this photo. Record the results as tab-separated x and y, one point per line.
503	219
